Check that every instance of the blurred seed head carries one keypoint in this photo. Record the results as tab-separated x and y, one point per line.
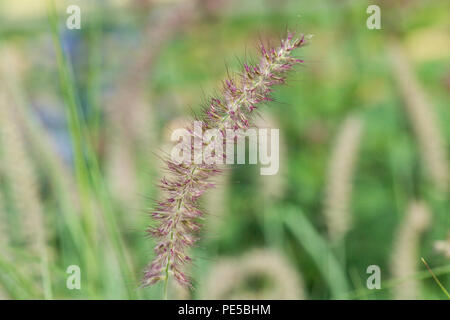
259	274
423	118
166	143
21	176
179	292
341	170
443	246
272	186
405	256
129	116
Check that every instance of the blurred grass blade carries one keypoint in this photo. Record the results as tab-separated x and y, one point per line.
88	174
319	251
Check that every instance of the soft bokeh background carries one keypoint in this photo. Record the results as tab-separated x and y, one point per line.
85	114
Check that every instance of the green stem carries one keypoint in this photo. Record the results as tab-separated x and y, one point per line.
436	279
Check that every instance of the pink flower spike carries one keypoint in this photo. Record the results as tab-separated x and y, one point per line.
178	217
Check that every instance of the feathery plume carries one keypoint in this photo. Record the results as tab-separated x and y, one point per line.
231	278
405	256
340	177
178	215
214	200
422	117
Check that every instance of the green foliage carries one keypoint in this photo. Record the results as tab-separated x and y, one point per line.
347	71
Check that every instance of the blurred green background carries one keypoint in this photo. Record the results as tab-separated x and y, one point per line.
85	115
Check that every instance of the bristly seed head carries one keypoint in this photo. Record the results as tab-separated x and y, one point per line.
178	216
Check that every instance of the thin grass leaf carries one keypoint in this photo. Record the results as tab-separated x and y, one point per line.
319	250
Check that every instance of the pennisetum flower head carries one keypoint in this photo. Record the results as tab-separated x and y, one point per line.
178	217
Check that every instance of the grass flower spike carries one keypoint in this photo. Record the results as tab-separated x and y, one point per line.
178	216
